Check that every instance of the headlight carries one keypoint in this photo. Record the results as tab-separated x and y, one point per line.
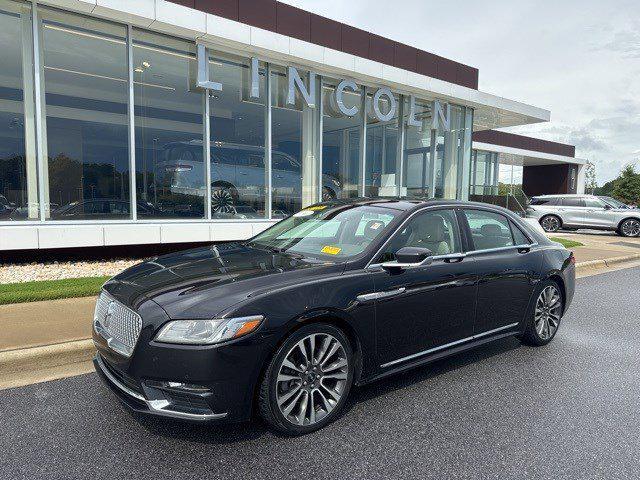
207	332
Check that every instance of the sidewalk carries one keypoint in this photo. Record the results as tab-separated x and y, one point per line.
600	245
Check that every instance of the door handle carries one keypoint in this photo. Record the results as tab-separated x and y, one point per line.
454	257
368	297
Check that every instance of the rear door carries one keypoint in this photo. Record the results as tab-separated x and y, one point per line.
506	263
571	210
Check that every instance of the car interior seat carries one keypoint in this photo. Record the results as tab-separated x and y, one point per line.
430	231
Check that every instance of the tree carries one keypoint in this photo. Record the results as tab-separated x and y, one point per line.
590	181
627	186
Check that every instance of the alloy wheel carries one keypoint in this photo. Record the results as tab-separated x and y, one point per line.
630	228
548	312
550	224
222	201
312	379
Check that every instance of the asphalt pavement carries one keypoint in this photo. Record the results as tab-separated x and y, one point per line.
567	410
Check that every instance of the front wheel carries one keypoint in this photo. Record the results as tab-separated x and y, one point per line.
308	380
543	321
630	228
550	223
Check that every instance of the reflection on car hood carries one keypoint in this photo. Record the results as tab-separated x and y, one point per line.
202	282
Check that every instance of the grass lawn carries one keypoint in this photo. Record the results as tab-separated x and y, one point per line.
566	243
50	289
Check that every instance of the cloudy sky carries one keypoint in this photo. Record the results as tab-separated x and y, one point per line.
578	58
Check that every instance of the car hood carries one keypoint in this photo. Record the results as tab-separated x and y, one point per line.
203	282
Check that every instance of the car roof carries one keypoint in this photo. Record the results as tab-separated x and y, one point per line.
405	204
564	195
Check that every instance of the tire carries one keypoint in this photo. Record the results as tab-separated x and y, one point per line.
629	228
542	324
550	223
295	400
328	194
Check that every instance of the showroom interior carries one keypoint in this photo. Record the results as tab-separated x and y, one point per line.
109	109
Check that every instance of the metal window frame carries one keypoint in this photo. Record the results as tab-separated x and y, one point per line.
38	98
268	183
133	193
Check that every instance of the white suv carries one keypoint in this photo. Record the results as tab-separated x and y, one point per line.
571	212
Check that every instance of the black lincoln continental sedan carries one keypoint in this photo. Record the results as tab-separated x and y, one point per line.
340	294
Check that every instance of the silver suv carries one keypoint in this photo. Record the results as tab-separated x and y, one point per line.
571	212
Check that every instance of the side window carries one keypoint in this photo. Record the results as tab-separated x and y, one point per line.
593	203
572	202
519	237
489	229
436	230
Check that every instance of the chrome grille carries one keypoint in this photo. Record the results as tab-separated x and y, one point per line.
118	325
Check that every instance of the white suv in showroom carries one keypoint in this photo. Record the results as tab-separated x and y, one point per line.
571	212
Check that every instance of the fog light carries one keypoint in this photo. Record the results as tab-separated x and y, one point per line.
180	386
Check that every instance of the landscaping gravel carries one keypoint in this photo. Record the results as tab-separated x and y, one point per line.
29	272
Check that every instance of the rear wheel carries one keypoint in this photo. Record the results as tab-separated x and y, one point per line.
308	380
550	223
630	228
544	319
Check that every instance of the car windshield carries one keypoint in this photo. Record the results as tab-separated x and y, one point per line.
613	202
328	232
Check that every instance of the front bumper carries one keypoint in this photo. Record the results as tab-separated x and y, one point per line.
153	400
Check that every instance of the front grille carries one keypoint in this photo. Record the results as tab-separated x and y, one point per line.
118	325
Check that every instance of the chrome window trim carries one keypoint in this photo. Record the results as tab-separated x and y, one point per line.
501	249
447	345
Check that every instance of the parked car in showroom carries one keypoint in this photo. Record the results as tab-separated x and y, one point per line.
339	294
571	212
237	174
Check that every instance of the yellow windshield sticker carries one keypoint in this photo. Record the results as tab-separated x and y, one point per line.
329	250
317	208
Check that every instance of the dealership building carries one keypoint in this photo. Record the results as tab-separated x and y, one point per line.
132	122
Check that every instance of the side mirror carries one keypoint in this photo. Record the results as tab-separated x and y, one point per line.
409	257
607	206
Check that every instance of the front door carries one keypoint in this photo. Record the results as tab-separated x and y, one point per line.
423	308
596	215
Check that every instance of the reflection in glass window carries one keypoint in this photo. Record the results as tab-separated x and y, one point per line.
168	120
237	132
295	169
382	164
340	143
418	169
18	172
86	86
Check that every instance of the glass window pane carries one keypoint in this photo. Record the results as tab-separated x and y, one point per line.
169	132
86	87
18	172
237	133
417	153
382	169
433	230
488	229
295	169
519	237
593	202
340	143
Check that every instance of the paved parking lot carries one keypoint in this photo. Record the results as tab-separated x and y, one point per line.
567	410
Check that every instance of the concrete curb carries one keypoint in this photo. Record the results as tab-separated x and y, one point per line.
13	362
608	262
